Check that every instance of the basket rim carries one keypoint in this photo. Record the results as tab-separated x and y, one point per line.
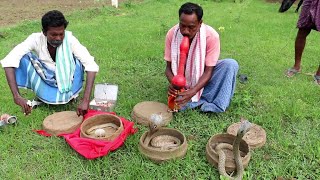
88	120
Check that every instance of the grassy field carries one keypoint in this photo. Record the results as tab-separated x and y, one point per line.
128	44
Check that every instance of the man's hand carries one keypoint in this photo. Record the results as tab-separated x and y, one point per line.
172	91
23	103
83	108
11	79
84	105
184	97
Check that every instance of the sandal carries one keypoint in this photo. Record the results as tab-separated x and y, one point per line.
317	79
292	71
243	78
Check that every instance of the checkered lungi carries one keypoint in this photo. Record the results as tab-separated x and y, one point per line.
33	74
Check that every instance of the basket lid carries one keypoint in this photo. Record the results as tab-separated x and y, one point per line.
142	112
255	137
62	122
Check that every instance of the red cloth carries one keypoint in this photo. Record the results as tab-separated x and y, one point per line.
91	148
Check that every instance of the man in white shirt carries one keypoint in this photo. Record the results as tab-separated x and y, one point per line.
52	64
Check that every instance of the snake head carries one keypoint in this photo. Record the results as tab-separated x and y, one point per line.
155	122
245	126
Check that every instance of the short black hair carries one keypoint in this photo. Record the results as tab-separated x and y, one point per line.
53	18
190	8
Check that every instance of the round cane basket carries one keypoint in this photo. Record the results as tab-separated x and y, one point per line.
213	157
64	122
256	137
142	112
158	155
102	119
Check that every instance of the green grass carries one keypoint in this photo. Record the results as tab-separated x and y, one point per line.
128	44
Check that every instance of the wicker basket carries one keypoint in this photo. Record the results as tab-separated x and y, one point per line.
158	155
142	111
64	122
213	157
256	137
100	120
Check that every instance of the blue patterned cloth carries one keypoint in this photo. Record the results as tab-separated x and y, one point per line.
217	94
35	75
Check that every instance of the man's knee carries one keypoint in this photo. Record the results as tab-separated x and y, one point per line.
231	64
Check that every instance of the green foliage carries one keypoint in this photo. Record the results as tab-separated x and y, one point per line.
128	44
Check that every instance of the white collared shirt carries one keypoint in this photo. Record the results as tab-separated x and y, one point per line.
37	42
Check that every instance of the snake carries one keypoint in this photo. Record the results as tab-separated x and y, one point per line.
244	128
91	131
165	142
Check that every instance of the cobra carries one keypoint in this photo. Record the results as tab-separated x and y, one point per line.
243	129
154	125
165	142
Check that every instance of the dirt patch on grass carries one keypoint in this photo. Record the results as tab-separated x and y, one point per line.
16	11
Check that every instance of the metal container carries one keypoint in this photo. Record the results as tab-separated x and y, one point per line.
105	97
7	119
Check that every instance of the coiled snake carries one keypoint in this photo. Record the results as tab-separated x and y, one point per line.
244	128
163	142
110	128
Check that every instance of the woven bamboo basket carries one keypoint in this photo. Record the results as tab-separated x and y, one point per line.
158	155
213	157
142	112
100	120
256	137
64	122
